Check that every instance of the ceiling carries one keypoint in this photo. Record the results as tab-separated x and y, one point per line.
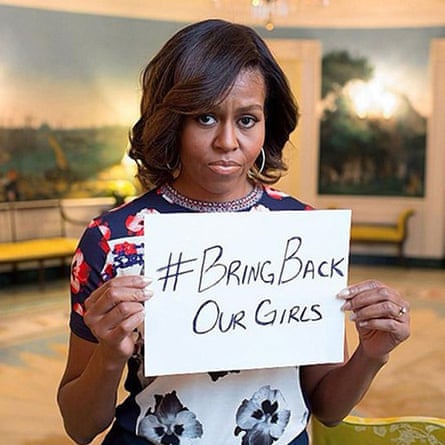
340	13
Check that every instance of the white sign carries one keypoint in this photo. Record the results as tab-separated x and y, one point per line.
244	290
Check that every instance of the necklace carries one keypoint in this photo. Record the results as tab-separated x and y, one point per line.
173	196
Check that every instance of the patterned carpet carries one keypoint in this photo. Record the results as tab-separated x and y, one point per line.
33	338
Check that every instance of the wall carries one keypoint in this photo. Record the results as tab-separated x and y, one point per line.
300	59
427	227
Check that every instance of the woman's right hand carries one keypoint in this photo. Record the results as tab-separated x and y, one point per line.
114	311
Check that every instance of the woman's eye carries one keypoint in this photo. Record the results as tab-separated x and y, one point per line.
206	119
247	121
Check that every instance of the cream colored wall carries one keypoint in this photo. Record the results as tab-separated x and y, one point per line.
301	61
434	206
290	182
340	13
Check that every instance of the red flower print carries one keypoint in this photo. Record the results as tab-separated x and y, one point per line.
104	230
275	194
106	235
135	223
79	309
125	248
94	223
103	227
79	271
108	272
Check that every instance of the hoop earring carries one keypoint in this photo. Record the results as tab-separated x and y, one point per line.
175	167
263	161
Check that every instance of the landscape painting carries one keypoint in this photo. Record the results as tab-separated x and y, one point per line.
69	93
374	111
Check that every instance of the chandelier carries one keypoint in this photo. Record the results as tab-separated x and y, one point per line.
266	10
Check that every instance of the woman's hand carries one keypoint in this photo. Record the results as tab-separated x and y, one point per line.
114	311
380	314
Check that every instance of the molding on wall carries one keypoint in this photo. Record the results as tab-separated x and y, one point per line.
434	210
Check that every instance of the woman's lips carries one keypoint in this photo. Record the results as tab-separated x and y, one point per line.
224	167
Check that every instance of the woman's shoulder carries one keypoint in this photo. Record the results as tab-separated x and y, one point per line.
129	216
275	199
150	201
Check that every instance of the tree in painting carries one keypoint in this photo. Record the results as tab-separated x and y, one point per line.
372	140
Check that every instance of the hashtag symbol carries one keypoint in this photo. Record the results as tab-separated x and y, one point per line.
173	270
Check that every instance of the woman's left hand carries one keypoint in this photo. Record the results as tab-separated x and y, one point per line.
381	316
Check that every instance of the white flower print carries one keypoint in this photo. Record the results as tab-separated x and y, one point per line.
170	423
263	418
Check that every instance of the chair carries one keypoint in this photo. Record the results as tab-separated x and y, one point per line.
355	430
378	233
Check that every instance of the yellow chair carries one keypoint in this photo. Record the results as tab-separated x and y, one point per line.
380	431
376	233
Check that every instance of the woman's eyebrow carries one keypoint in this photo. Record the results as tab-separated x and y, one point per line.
246	108
251	107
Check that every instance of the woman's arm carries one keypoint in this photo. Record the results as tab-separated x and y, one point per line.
88	389
382	324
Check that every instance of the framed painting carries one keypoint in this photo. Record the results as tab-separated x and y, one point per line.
374	113
69	94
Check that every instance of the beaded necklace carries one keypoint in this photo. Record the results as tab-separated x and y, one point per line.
173	196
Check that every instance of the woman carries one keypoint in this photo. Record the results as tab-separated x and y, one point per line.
216	112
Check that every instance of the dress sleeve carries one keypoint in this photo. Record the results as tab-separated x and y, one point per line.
87	272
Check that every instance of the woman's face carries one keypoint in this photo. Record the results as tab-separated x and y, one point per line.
218	148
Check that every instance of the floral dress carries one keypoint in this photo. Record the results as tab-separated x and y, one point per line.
251	407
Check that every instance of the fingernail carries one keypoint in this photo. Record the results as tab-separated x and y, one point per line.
147	280
148	293
344	293
347	306
353	316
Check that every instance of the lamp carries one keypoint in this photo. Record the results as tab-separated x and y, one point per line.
265	10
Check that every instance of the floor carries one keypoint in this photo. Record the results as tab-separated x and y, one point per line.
33	335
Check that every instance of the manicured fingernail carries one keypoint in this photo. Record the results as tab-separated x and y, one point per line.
344	293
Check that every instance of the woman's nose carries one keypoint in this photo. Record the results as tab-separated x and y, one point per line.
226	137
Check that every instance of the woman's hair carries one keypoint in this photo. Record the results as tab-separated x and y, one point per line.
193	71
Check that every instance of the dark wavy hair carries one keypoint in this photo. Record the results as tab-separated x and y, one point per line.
193	71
